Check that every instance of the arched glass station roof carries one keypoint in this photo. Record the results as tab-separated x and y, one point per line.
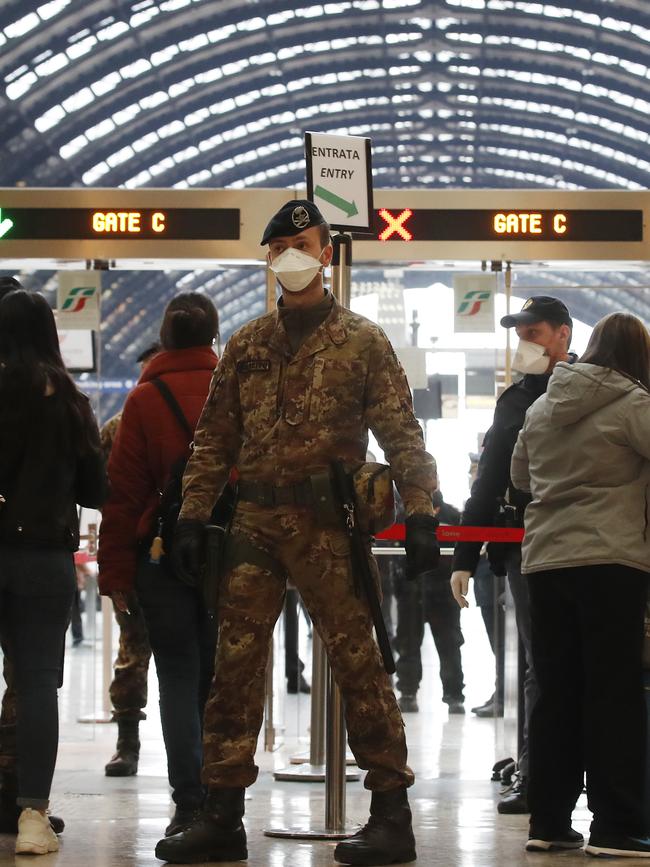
218	93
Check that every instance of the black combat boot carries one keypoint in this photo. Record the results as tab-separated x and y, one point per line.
217	835
388	836
10	811
183	818
515	801
125	761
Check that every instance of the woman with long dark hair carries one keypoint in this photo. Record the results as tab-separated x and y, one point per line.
50	460
584	454
152	442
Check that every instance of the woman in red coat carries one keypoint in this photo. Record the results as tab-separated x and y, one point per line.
150	441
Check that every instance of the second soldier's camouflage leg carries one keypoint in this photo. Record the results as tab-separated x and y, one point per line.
128	690
8	721
318	561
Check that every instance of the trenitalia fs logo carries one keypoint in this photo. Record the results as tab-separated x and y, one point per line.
77	297
471	303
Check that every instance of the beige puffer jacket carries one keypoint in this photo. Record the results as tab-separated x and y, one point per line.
584	454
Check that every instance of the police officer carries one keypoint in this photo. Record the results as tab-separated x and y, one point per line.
544	329
294	390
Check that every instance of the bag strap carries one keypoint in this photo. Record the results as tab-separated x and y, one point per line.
172	403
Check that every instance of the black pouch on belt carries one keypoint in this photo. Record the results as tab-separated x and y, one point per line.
373	486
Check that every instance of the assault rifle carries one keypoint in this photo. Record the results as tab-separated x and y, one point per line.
345	496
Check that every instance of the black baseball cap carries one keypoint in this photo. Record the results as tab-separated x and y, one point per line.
292	218
540	308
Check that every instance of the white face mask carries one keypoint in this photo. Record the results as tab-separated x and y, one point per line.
294	269
530	358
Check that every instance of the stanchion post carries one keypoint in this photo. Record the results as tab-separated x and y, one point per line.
269	728
508	288
335	760
105	715
270	290
311	768
341	262
107	655
318	687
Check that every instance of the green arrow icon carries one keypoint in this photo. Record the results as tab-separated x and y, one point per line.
349	208
5	225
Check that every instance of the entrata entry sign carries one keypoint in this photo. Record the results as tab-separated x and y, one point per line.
339	179
79	224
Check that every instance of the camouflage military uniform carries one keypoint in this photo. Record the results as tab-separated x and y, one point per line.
280	417
128	689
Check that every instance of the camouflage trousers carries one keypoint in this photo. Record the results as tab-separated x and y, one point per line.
290	544
128	689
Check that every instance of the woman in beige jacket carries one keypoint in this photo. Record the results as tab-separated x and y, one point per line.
584	454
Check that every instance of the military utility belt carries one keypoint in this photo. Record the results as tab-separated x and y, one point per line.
372	484
266	494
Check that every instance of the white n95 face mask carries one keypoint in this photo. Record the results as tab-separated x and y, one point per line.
530	358
294	269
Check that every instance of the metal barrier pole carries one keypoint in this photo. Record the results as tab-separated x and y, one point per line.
508	288
311	768
269	728
271	291
106	714
335	760
318	681
336	774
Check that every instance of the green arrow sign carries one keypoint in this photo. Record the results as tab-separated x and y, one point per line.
349	208
5	225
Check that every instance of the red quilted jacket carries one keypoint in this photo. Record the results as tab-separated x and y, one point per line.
148	443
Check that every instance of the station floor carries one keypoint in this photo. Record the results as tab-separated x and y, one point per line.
111	822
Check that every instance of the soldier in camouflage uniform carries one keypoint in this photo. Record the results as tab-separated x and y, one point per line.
294	390
128	690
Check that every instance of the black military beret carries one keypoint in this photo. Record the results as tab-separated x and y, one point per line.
292	218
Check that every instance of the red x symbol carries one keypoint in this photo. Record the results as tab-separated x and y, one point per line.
395	225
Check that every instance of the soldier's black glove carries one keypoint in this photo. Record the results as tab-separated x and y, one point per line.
188	550
422	549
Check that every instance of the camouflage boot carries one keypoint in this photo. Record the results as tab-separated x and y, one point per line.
125	761
217	835
10	811
388	836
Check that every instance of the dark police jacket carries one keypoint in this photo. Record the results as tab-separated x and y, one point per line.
493	478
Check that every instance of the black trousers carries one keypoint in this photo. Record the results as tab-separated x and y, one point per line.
488	590
429	602
587	634
36	590
183	641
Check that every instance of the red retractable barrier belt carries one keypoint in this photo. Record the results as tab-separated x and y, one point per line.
461	534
